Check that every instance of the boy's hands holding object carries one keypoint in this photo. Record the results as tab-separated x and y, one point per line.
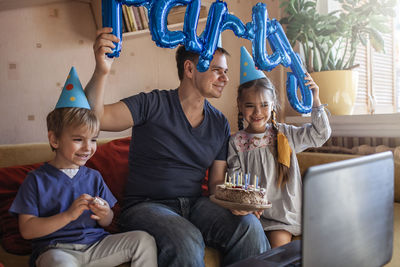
99	207
78	206
99	201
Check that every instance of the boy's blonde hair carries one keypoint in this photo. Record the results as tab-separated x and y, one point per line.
62	118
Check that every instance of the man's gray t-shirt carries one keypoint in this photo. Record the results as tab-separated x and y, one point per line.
168	158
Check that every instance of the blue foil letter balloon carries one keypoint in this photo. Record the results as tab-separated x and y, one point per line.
260	30
112	17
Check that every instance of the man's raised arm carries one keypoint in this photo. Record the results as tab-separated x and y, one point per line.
113	117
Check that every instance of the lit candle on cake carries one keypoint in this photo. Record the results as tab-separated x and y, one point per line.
257	182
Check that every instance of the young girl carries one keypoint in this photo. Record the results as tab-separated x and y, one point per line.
268	149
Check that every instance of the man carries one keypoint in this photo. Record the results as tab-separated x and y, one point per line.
176	136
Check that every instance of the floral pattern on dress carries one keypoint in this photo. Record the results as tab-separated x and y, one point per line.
246	142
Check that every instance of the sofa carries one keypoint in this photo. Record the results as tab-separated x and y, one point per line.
111	159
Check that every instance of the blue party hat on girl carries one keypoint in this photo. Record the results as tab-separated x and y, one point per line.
72	95
248	70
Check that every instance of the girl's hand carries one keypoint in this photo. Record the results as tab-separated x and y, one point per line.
78	206
99	207
314	88
104	44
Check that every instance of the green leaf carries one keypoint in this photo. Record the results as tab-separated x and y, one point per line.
292	8
377	41
316	64
284	20
309	4
347	8
363	40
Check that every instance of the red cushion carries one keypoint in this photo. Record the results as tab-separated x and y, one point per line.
10	180
111	160
204	185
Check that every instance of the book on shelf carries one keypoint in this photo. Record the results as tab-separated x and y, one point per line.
123	26
132	19
136	14
136	18
177	14
146	13
126	21
143	17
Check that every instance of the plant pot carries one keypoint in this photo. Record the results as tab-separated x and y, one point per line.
338	89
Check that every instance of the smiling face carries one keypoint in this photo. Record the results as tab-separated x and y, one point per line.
212	82
256	106
74	147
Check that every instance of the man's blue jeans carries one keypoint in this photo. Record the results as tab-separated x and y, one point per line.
182	227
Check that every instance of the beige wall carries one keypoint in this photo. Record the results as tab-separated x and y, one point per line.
39	44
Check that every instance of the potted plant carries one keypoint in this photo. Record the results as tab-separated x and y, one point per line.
329	42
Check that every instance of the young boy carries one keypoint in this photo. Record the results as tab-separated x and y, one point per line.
62	206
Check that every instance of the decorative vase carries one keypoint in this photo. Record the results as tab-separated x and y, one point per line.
338	89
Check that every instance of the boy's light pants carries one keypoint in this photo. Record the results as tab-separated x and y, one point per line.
137	247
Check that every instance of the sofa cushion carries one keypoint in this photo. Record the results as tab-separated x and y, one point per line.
10	180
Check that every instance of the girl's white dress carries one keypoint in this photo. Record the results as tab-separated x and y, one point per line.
256	154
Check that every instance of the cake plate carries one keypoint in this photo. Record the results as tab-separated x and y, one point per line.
239	206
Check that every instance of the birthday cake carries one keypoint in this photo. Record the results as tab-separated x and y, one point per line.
241	194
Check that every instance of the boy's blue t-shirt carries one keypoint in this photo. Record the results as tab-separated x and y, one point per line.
47	191
168	158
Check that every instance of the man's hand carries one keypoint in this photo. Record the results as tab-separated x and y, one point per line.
257	213
104	44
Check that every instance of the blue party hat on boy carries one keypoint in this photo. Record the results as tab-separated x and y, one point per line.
248	70
72	95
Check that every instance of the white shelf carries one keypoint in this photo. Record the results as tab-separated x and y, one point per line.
96	9
136	34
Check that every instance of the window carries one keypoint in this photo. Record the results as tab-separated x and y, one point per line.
379	89
378	92
379	73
